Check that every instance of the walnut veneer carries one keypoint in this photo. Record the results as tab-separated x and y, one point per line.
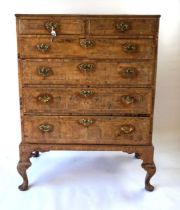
87	82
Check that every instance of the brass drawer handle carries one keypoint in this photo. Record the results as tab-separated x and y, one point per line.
42	47
44	98
128	47
86	93
46	128
128	72
127	99
86	122
122	27
127	129
45	71
51	25
87	43
86	67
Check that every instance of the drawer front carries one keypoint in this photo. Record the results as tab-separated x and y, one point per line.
43	26
87	100
91	130
87	72
123	26
31	47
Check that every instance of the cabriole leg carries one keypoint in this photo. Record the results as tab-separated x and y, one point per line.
149	166
150	169
23	164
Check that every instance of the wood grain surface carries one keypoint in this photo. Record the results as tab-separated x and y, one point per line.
89	87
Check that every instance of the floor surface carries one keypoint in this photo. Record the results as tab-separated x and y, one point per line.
93	181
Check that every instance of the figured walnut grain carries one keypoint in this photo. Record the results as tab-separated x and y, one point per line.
101	101
90	127
105	72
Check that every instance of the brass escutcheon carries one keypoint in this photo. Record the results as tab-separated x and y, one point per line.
128	72
86	93
87	43
50	25
86	67
86	122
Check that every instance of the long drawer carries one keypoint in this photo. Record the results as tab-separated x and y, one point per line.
39	47
88	100
87	130
86	72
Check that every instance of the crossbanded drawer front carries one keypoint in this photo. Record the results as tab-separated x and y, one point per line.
87	100
62	26
33	47
86	130
123	26
87	72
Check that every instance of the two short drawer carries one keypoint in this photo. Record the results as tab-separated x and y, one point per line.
87	130
88	24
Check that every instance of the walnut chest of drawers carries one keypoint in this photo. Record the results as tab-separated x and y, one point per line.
87	82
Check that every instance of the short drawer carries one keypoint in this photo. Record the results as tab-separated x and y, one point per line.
31	47
87	130
87	72
43	26
123	26
87	100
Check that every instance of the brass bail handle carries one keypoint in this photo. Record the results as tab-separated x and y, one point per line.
129	47
44	71
42	47
44	98
127	129
46	128
128	99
